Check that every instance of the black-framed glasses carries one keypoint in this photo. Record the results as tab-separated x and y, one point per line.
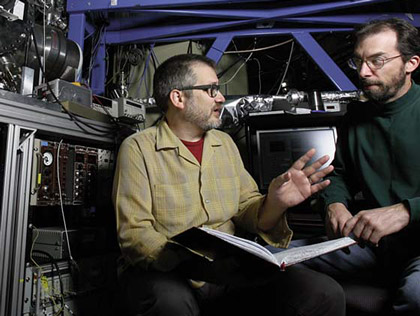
211	89
374	63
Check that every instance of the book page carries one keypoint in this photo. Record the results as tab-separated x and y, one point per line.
299	254
245	244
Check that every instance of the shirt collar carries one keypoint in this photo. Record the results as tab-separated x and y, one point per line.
401	103
165	138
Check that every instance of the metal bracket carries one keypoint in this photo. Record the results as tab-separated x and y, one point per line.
24	139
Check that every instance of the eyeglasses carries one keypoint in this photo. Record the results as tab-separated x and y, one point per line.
211	89
373	63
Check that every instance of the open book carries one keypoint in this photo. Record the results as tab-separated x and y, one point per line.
212	244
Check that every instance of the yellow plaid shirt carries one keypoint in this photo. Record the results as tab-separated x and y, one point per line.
161	190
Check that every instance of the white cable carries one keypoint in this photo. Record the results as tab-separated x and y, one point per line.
287	68
237	70
257	49
44	32
119	67
41	272
259	74
32	247
61	199
94	52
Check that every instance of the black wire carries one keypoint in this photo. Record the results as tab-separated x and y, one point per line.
27	48
158	119
240	58
95	48
221	73
239	138
235	133
107	112
54	263
72	116
275	84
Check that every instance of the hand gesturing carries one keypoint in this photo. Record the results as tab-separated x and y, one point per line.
300	182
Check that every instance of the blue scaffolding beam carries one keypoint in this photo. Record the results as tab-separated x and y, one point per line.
151	21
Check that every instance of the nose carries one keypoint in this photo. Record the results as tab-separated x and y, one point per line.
219	97
364	70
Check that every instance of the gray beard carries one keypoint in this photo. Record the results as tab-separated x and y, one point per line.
198	118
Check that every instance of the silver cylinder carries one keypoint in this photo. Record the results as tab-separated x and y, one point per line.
62	56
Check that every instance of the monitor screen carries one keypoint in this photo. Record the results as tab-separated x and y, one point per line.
278	149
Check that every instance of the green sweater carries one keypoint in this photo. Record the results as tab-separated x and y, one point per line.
378	154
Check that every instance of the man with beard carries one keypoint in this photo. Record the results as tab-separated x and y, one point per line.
377	158
183	173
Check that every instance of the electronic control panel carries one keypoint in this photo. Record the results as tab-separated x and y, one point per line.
66	174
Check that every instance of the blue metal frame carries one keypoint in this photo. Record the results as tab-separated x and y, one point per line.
328	65
99	69
219	46
271	13
102	5
242	20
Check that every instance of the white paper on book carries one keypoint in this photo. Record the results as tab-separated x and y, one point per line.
295	255
287	257
245	244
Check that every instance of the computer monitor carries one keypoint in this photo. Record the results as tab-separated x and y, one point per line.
279	148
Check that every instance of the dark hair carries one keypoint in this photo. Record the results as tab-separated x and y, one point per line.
407	35
176	72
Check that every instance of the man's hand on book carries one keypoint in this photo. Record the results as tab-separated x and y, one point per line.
293	187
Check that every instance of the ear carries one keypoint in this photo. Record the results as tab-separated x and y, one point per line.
412	64
177	99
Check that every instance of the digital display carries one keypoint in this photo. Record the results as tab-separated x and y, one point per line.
278	149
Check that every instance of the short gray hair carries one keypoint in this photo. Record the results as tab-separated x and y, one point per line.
176	72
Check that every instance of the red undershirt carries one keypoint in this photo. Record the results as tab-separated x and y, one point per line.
196	148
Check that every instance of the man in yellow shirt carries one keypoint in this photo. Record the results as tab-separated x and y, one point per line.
184	173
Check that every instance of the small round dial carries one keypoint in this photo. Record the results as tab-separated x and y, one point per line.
47	157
